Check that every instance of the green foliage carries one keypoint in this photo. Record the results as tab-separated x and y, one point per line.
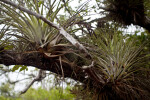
6	90
52	94
118	56
30	29
120	69
42	94
144	37
22	67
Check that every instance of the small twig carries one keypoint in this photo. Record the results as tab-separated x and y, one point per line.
66	6
61	67
41	75
87	67
25	89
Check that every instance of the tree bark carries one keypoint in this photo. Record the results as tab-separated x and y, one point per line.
36	60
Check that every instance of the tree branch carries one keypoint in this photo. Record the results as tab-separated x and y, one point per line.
34	59
41	75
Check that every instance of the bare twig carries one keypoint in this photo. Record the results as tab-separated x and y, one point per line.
41	75
87	67
61	67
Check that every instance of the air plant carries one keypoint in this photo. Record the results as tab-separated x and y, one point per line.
118	70
35	36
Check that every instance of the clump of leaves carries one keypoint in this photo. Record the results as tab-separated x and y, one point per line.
125	11
119	70
29	28
33	35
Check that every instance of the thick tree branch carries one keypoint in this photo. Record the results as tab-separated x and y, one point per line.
35	59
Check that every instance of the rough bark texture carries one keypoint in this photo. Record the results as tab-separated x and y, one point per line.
76	71
36	60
